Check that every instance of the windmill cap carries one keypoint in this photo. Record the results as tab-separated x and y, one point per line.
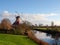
17	17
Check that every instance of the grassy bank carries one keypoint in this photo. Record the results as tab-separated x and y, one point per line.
45	29
7	39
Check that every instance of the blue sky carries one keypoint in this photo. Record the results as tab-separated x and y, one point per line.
35	8
31	6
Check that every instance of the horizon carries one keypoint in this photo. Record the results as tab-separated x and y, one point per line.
34	11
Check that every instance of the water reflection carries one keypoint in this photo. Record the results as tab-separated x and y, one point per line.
46	37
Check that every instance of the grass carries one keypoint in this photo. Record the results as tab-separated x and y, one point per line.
58	29
42	28
7	39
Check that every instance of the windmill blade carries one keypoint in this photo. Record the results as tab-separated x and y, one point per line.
21	15
17	14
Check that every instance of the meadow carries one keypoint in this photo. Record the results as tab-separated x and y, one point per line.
9	39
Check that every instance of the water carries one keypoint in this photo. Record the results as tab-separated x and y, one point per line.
46	37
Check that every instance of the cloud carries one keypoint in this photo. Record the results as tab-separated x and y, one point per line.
56	22
39	18
33	18
5	13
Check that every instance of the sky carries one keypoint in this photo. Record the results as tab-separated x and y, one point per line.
34	11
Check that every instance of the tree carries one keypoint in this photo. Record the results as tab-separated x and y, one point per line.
0	26
22	28
6	24
27	23
40	25
52	25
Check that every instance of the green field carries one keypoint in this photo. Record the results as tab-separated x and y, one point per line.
7	39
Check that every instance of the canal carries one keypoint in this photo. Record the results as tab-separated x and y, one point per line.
47	37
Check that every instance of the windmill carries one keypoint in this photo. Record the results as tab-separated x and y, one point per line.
19	14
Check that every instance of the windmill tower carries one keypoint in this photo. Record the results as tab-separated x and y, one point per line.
18	18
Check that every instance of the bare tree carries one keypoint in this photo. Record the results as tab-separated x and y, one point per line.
6	24
0	26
